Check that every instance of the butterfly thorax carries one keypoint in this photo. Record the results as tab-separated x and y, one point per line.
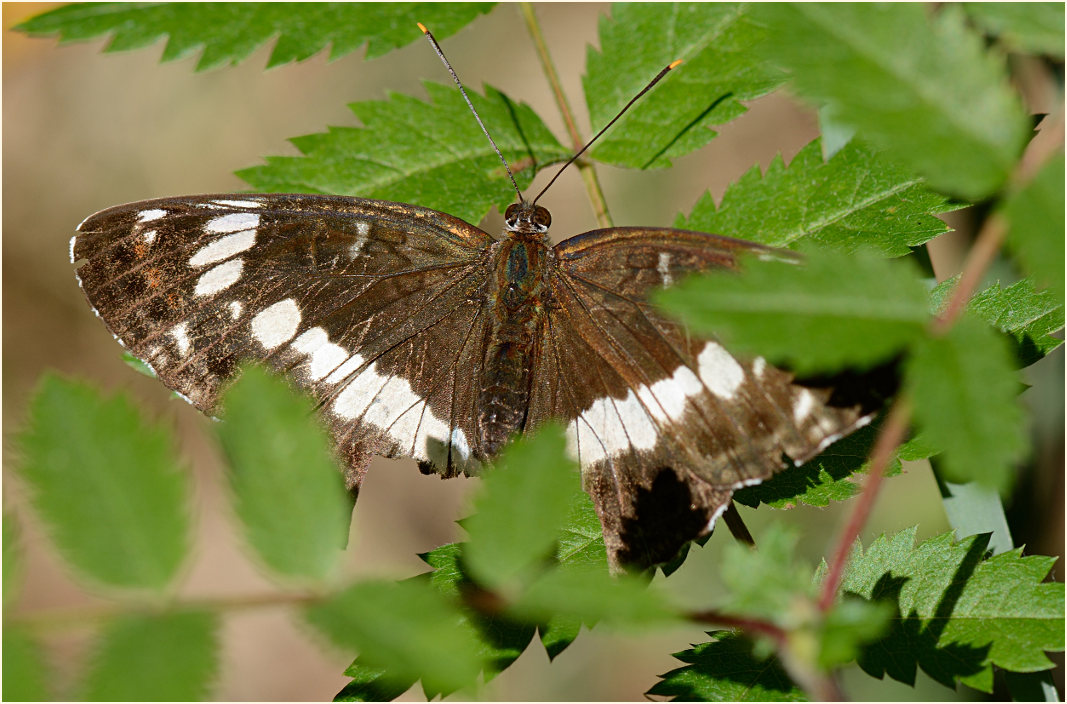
517	301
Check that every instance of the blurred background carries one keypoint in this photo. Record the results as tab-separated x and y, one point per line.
83	131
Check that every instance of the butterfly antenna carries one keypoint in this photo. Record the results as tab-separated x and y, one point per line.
437	48
654	81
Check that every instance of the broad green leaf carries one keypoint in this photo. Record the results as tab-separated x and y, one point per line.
229	32
965	394
958	612
431	154
26	676
828	312
1035	214
287	488
590	594
407	628
766	583
501	640
581	542
106	485
924	88
857	199
155	657
1029	316
848	626
725	669
821	480
581	545
525	499
371	684
918	447
715	42
1034	27
12	558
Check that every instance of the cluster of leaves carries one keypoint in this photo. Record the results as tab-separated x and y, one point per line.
915	110
534	563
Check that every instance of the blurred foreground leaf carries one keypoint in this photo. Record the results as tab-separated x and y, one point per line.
287	488
158	657
106	485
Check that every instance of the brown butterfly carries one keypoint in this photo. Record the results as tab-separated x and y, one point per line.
422	336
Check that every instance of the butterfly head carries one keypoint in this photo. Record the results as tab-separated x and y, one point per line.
527	219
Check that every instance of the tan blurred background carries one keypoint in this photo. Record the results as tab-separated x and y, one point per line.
83	131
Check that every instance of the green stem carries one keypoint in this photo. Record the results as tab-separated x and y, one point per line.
588	173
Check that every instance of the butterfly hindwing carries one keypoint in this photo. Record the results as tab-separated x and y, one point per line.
666	425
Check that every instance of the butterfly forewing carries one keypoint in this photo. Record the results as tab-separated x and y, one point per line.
370	305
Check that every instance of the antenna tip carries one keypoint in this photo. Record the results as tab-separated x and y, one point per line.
423	28
674	64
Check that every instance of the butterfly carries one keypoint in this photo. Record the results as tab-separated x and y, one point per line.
423	336
420	335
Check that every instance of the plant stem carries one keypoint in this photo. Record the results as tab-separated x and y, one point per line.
712	617
890	436
592	183
52	619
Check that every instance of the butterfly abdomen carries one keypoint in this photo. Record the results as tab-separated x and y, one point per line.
517	302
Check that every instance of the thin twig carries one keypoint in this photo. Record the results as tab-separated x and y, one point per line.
588	173
712	617
51	619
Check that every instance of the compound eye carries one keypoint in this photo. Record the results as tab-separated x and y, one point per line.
542	218
511	215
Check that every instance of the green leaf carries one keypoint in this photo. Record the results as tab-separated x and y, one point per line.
590	595
155	657
287	488
765	583
965	394
725	669
715	41
230	32
958	613
371	684
581	541
857	199
431	154
501	639
525	499
829	312
1034	27
821	480
407	628
106	485
849	625
1027	315
926	89
12	559
26	676
1035	214
581	545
